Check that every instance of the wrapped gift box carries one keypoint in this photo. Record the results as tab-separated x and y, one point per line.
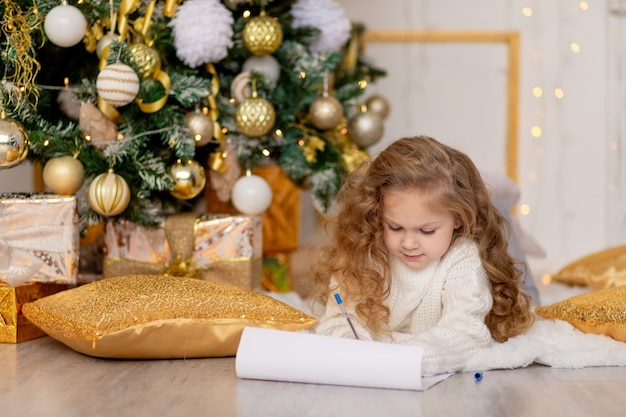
39	254
214	247
281	220
14	326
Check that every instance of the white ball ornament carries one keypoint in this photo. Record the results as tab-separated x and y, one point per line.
117	84
251	195
265	65
65	25
104	43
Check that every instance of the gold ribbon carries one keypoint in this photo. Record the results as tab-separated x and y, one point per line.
169	8
155	106
125	9
352	51
147	20
217	160
214	111
92	35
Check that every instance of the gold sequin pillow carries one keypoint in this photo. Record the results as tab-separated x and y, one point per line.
599	312
158	317
598	270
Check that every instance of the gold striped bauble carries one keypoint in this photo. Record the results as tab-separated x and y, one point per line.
117	84
108	194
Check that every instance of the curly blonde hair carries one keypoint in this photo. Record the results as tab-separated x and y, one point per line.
357	258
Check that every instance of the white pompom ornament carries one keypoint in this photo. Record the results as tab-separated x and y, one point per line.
65	25
117	84
251	195
327	16
202	31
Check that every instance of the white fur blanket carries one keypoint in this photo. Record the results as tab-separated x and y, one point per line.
552	343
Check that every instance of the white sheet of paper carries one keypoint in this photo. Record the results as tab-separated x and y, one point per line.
277	355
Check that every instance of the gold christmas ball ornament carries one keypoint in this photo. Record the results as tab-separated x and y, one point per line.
189	179
14	142
262	35
365	128
147	60
64	175
200	126
379	105
108	194
255	116
326	112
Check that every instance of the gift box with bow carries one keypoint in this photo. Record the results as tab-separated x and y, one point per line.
214	247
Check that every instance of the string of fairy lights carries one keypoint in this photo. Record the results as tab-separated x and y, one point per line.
554	45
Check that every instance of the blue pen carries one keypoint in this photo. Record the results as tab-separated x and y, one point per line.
345	313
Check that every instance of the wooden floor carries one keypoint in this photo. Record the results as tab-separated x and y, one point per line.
42	377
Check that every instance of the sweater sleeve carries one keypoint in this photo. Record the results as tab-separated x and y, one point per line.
461	330
334	323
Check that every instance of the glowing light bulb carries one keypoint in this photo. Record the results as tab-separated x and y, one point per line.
524	209
558	93
574	47
537	92
536	131
527	11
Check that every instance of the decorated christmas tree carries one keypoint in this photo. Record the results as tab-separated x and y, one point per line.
139	106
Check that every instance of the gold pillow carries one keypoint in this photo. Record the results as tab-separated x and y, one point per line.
158	317
603	269
599	312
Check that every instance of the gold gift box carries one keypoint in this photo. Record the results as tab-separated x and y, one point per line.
14	326
39	238
214	247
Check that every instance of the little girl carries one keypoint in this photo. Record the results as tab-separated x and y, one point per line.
419	258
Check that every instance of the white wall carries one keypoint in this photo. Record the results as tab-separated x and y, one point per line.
17	179
563	174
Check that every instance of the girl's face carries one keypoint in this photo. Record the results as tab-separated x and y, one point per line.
415	232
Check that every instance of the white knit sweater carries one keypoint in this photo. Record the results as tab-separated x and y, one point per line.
441	308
